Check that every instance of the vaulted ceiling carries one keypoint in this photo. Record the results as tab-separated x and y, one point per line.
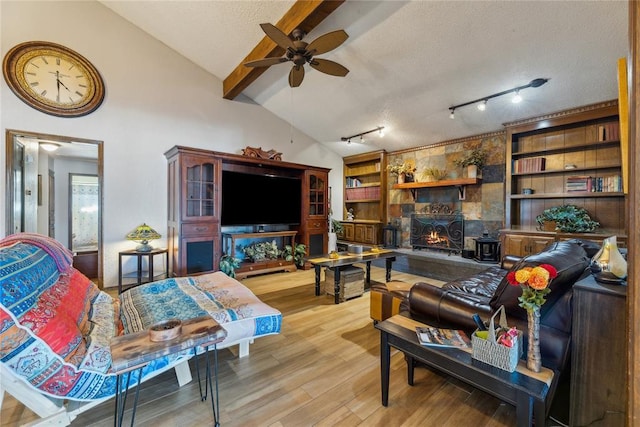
409	61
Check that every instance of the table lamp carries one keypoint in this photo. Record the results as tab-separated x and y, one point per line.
143	234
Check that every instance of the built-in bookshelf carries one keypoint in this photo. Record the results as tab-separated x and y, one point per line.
571	157
365	197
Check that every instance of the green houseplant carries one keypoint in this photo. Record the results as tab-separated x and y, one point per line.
228	265
568	219
297	254
477	157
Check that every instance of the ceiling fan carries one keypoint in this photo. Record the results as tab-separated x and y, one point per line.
300	52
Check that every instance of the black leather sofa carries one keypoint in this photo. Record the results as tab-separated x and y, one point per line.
453	304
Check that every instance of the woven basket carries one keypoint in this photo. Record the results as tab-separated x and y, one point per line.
498	355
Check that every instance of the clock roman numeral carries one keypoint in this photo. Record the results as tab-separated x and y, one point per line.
78	93
43	93
82	86
79	76
70	99
45	60
57	61
34	84
30	73
71	68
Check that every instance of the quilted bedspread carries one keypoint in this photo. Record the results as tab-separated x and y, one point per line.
228	301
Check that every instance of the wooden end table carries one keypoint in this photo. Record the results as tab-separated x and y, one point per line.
530	392
346	260
134	351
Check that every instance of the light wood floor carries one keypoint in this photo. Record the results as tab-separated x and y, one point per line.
321	370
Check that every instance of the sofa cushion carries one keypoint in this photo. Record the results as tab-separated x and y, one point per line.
569	259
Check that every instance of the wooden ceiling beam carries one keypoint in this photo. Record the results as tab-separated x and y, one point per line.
304	14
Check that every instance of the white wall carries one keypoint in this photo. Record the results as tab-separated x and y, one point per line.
155	99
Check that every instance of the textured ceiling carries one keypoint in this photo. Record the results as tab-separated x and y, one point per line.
409	61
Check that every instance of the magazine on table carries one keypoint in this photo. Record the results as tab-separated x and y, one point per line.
440	337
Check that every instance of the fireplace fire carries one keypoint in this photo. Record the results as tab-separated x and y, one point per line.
442	229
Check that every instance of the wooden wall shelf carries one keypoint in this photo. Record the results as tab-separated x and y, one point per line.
459	183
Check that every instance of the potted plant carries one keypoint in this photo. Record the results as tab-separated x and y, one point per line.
228	265
474	161
403	170
568	219
296	254
434	174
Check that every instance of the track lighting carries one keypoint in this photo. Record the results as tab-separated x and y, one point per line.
516	98
361	135
482	102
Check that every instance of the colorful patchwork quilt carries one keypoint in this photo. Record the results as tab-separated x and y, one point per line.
55	324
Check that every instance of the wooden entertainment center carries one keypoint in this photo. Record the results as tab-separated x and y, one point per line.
194	229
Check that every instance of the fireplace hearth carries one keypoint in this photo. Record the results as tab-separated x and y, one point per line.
441	230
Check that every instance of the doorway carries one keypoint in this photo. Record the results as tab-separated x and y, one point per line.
46	209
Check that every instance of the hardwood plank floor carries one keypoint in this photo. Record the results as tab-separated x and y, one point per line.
321	370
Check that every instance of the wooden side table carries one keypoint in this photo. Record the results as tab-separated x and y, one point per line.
141	276
134	351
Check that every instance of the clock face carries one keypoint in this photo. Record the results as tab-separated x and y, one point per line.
53	79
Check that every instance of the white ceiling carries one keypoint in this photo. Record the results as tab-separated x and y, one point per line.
409	61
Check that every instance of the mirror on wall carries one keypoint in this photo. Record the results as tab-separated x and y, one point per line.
54	188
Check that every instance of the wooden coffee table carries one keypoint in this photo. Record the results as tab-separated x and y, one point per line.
530	392
133	351
346	259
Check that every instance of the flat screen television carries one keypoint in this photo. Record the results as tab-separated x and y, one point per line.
249	199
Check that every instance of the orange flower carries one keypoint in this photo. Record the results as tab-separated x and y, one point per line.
534	282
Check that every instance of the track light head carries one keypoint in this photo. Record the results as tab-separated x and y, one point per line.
483	105
452	115
537	82
516	98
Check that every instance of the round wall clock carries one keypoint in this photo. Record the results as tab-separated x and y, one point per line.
53	79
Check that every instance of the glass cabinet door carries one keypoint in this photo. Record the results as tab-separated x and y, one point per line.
317	194
200	190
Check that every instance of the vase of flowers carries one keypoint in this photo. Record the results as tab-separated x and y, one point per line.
403	170
534	282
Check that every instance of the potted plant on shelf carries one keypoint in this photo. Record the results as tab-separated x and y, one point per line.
474	162
403	170
567	218
434	174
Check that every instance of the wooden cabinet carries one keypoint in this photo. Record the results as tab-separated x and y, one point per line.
521	242
365	196
194	231
598	354
314	230
571	157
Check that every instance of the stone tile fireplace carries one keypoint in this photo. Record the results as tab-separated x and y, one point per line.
441	229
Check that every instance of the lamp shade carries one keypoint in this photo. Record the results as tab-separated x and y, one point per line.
143	233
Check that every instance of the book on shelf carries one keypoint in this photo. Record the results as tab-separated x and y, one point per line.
529	164
609	132
439	337
597	184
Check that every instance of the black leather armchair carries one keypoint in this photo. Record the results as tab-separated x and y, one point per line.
453	305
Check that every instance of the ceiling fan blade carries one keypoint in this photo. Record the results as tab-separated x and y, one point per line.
329	67
275	34
327	42
296	75
267	62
